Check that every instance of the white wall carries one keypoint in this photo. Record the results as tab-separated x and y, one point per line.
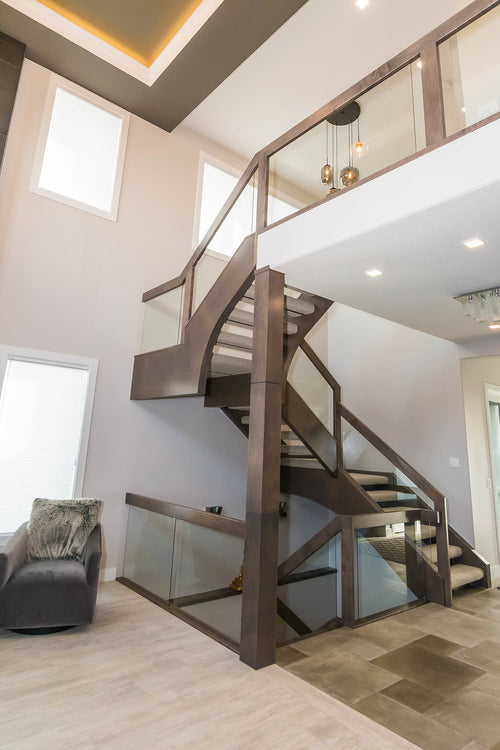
406	386
72	282
477	371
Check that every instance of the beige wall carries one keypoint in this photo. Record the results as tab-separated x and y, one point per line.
71	282
475	373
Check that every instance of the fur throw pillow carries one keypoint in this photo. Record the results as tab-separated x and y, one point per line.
59	529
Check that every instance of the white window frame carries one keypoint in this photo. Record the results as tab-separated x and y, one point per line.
62	360
57	82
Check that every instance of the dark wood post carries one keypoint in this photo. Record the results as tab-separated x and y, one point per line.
443	551
348	567
433	95
258	617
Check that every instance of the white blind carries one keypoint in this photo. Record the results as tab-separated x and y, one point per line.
41	415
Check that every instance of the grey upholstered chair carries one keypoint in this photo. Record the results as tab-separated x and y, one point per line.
47	595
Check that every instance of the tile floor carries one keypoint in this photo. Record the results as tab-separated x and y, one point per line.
430	674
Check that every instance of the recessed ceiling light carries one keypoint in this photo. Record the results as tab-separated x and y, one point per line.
495	325
473	242
362	3
419	63
374	272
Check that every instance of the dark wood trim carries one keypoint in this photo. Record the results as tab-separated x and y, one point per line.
168	286
373	520
235	417
443	554
306	575
291	618
258	618
387	613
206	596
223	524
432	88
187	301
173	610
312	545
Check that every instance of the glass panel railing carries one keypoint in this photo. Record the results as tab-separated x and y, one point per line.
388	572
161	327
149	550
191	568
309	598
312	387
383	126
386	484
470	72
238	224
206	562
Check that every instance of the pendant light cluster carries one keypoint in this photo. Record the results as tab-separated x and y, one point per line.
349	174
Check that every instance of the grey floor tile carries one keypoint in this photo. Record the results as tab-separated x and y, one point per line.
412	695
472	712
343	676
459	627
389	634
442	674
489	683
413	726
288	655
485	655
437	645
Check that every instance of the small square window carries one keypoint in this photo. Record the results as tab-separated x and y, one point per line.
81	150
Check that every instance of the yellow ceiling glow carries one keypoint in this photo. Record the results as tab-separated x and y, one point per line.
131	42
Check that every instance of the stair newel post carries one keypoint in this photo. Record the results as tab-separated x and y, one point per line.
187	299
348	567
258	619
443	551
262	191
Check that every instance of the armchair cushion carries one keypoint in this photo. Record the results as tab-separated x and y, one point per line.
60	529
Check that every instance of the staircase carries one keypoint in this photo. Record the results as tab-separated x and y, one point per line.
269	382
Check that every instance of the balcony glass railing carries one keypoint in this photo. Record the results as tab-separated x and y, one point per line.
378	129
313	388
470	72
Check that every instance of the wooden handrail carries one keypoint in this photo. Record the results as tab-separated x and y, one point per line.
400	463
224	524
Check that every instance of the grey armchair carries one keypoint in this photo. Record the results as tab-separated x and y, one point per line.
47	595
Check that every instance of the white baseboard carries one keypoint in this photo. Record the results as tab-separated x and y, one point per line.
107	574
495	573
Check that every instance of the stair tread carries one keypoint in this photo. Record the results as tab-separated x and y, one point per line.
430	552
235	340
393	509
295	450
388	496
463	574
245	318
368	479
301	463
229	365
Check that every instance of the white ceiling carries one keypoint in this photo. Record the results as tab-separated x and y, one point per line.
322	50
409	224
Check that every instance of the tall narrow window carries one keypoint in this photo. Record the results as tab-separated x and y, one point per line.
45	409
81	150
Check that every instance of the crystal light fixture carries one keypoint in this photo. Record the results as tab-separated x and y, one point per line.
483	306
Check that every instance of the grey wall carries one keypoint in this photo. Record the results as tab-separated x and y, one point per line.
11	60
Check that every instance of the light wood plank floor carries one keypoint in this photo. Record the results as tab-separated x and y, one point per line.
140	678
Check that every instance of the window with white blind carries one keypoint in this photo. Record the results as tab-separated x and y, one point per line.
45	410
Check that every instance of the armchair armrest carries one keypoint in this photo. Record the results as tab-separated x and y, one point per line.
93	557
14	554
